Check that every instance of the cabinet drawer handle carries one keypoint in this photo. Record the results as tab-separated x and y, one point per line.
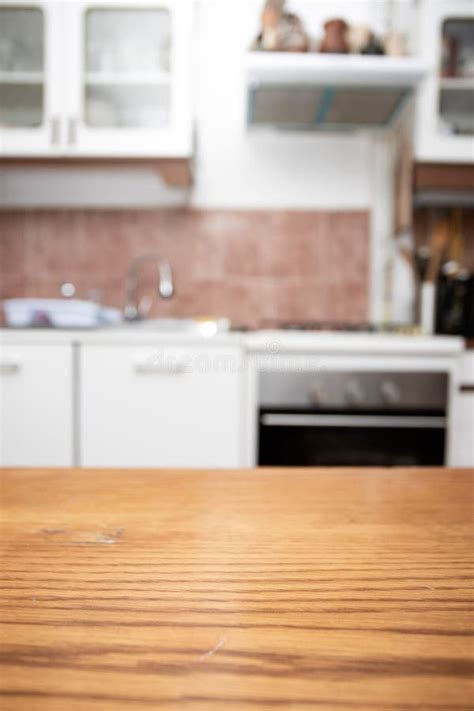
9	368
55	131
465	388
72	131
150	369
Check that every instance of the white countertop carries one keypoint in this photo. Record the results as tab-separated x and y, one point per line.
123	336
348	343
265	342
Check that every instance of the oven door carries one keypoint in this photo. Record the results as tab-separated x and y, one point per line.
351	438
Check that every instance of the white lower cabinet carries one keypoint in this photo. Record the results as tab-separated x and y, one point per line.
462	421
160	407
150	406
36	406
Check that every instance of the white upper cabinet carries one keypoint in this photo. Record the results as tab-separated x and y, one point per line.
445	120
96	79
30	80
131	95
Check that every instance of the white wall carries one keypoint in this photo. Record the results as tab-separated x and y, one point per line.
234	168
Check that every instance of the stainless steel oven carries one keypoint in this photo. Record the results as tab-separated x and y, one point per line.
353	419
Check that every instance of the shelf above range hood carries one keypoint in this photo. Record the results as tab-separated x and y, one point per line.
314	92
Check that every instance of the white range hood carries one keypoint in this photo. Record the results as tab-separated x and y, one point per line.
310	91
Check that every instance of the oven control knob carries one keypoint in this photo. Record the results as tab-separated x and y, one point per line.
390	393
354	393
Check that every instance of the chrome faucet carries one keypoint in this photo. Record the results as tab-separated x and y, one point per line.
134	311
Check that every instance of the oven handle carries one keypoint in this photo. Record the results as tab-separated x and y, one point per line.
375	421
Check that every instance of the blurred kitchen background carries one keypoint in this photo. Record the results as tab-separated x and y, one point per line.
305	165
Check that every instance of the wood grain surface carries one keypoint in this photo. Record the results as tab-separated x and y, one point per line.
268	589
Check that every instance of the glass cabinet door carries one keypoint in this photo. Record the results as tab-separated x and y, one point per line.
131	94
127	60
456	94
22	67
445	112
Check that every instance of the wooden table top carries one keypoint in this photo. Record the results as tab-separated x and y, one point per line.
268	589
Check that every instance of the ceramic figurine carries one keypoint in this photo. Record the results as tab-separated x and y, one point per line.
395	44
281	31
335	39
373	46
358	37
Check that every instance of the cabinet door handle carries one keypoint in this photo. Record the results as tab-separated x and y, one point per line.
9	368
55	130
72	131
151	369
466	388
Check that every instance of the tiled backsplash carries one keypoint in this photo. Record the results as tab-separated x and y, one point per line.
250	266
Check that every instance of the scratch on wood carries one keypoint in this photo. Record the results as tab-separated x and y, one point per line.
118	533
102	538
52	531
213	649
108	535
109	538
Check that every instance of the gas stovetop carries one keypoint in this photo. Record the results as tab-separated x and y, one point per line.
340	327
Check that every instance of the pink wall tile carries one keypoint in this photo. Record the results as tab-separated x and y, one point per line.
249	265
